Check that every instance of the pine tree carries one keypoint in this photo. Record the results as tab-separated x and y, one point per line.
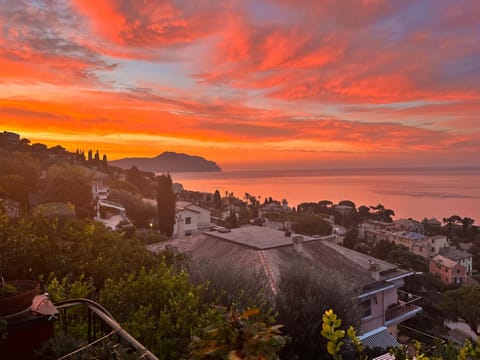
165	205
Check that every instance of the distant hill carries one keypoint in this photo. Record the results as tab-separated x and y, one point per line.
168	162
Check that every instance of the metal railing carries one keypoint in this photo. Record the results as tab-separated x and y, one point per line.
101	327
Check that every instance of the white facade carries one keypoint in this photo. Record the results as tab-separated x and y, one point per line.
190	219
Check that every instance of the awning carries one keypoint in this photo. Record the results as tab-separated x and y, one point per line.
379	338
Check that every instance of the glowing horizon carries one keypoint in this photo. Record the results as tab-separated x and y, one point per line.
247	84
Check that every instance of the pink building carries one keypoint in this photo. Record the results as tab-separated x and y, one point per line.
449	271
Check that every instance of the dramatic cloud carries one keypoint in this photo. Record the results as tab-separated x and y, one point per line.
247	83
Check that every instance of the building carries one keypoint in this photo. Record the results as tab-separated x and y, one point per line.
419	244
449	271
190	219
266	250
112	215
374	231
460	256
99	181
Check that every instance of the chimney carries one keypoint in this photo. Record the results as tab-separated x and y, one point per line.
374	269
298	243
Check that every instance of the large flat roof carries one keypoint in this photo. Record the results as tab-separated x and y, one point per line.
259	237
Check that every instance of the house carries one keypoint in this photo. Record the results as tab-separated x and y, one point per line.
449	271
408	225
460	256
99	183
373	231
190	219
266	250
419	244
112	215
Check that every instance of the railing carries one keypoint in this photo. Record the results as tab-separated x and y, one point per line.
400	310
404	309
101	327
407	297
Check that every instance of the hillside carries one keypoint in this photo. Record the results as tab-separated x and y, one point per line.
168	162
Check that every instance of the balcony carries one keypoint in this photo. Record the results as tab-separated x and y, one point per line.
403	310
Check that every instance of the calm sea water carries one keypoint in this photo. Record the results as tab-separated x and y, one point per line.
416	193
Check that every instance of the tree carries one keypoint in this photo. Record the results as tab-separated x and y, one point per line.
160	308
363	213
382	213
466	224
450	221
233	220
139	210
304	293
217	200
311	225
462	303
347	203
69	183
165	205
351	238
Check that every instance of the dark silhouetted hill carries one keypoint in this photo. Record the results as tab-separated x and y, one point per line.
168	162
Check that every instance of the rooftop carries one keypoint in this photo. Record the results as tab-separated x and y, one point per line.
252	247
258	237
455	254
442	260
410	235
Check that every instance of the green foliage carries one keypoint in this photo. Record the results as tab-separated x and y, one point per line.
237	336
232	220
230	286
124	185
335	344
398	254
165	205
463	303
19	174
65	288
335	336
158	307
382	213
305	293
40	246
150	236
217	200
332	332
137	209
351	238
7	290
70	183
311	225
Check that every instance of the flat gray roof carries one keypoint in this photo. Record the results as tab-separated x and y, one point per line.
259	237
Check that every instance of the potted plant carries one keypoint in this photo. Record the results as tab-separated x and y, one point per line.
17	295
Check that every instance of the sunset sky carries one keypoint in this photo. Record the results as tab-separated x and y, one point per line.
249	83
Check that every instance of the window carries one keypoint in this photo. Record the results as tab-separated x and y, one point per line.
433	249
188	220
366	308
458	271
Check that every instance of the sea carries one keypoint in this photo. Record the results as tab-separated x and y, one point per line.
410	192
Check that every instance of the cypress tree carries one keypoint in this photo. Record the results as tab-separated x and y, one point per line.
217	200
165	205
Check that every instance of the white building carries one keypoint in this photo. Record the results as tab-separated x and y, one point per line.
190	219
